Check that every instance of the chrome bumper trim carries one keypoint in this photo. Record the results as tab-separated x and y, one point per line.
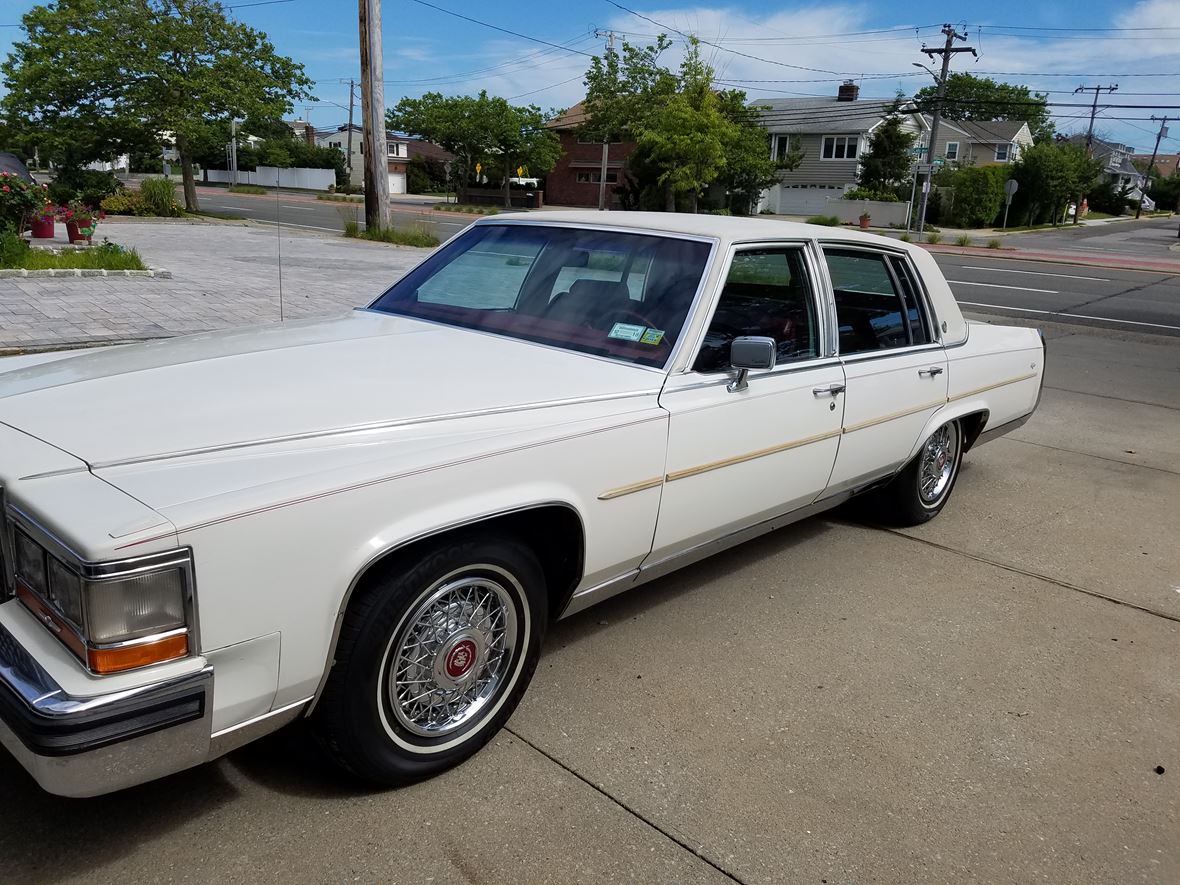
86	746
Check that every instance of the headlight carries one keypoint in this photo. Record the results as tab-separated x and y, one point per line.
115	616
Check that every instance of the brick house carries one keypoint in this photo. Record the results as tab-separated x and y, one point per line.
575	179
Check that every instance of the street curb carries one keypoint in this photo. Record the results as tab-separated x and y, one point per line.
21	273
1043	258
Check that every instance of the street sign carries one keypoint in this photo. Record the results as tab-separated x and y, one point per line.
925	168
478	168
1011	186
938	161
519	171
917	151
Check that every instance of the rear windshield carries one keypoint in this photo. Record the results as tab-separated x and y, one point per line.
619	295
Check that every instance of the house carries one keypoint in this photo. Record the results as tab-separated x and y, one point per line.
1117	167
980	143
397	155
302	129
1165	164
833	134
576	179
339	139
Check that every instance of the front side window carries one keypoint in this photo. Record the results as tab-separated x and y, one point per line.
619	295
839	147
782	147
767	293
870	309
1002	153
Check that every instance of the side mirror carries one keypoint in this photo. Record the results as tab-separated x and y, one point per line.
750	352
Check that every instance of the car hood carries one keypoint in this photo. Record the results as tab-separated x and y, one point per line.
222	390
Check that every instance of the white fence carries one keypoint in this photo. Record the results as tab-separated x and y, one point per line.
272	176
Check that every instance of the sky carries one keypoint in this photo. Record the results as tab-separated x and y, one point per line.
770	48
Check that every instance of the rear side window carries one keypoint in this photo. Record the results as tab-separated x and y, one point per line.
767	293
870	309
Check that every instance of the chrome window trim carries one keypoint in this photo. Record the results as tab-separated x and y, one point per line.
7	553
815	287
714	244
922	294
180	559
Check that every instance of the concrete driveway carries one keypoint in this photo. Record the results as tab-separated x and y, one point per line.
993	697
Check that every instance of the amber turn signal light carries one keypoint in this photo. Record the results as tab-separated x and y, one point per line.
129	657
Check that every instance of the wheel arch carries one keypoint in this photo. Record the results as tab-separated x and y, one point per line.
554	530
972	415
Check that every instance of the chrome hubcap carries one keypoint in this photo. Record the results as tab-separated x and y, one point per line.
453	655
937	466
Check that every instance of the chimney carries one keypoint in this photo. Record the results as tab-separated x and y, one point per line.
849	91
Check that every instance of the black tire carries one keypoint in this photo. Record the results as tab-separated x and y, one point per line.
901	501
363	725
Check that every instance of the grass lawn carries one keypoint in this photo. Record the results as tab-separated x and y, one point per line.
415	236
247	189
16	254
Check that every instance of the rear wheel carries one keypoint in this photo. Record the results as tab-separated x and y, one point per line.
433	659
919	492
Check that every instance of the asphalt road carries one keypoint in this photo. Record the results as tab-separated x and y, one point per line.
1146	301
305	212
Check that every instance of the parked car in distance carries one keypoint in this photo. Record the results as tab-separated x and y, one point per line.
371	520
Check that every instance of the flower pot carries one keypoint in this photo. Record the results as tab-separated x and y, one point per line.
864	222
43	228
75	235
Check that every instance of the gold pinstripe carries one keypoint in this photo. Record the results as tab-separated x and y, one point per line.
894	416
750	456
987	387
631	489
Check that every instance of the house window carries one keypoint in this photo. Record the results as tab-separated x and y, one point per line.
840	147
334	144
1002	153
952	150
585	139
782	146
596	177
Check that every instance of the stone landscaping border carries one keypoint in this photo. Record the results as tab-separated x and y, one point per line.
22	273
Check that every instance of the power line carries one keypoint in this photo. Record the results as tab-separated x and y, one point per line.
500	29
545	88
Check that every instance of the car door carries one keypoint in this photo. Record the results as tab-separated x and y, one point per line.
737	457
894	364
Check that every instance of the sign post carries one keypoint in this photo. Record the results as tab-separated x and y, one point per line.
1010	187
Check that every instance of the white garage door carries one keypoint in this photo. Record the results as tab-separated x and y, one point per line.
806	200
397	182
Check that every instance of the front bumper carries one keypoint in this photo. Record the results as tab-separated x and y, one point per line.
86	746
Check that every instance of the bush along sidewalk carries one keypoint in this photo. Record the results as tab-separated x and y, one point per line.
466	208
415	236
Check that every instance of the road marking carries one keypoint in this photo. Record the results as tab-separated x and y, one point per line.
1036	273
302	208
998	286
231	208
1079	316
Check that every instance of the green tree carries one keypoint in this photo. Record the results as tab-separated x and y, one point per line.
1050	174
888	161
976	194
750	166
104	76
980	98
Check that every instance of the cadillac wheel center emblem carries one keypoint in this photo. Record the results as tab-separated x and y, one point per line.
460	659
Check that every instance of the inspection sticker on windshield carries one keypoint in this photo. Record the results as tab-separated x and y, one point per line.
627	332
652	336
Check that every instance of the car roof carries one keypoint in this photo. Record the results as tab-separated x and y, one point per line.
722	227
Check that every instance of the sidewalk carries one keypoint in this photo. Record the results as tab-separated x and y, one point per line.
223	275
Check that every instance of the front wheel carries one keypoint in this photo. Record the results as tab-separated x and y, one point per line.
918	493
433	659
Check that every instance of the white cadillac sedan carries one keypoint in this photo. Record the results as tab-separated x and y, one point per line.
371	520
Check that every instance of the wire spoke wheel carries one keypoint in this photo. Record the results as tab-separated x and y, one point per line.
453	654
937	464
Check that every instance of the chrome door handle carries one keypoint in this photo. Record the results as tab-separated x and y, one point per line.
830	390
931	372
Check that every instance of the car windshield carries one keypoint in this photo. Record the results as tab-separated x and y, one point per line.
619	295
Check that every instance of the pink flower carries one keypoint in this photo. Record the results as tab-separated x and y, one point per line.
6	188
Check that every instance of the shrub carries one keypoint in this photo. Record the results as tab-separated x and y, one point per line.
1109	198
906	238
978	195
717	212
963	240
158	196
825	220
19	201
16	253
246	189
933	237
864	193
414	236
994	243
86	185
12	248
125	202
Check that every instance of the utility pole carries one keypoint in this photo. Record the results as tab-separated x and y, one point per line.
1151	165
373	116
606	136
946	52
1097	90
351	98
